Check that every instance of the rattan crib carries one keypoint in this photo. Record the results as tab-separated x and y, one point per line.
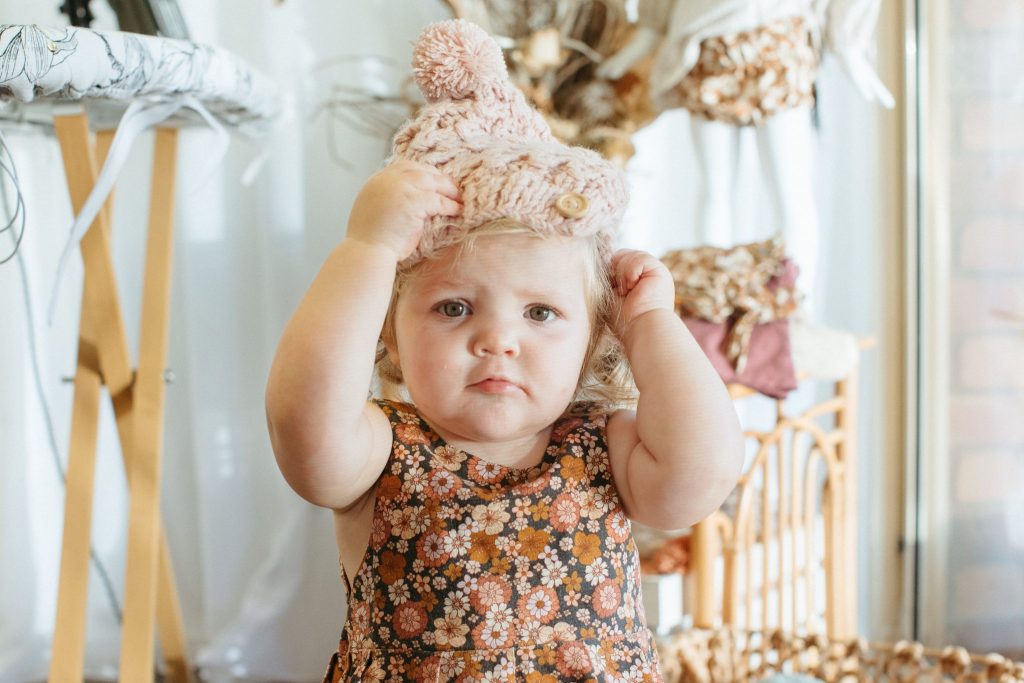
736	656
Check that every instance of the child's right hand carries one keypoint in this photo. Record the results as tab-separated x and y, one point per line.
395	204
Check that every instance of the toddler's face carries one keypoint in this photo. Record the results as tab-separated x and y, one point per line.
491	344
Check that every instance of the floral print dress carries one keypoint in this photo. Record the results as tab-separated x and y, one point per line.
479	572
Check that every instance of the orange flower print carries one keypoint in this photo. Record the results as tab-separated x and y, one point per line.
410	434
586	547
490	590
449	457
485	472
606	598
491	518
429	668
572	467
392	567
430	549
380	529
360	615
540	603
540	480
537	677
388	487
374	673
454	571
482	547
406	522
415	481
410	620
532	542
429	600
495	630
458	542
468	560
443	484
536	633
618	526
594	505
565	513
559	432
450	632
450	668
573	659
500	565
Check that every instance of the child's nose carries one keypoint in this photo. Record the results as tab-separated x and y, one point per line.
495	338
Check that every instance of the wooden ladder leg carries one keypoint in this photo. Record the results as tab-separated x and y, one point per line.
142	567
168	609
102	340
99	362
169	620
68	654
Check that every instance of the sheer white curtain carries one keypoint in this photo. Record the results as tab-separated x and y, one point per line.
256	566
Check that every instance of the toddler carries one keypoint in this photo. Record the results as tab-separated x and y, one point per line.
483	523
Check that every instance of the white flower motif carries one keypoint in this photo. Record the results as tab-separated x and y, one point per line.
456	604
597	571
499	616
398	592
491	517
551	574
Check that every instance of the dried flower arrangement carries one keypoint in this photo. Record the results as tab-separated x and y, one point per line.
552	50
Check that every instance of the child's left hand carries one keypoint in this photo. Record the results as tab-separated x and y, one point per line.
642	283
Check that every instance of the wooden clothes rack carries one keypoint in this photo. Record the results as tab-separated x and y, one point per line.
137	395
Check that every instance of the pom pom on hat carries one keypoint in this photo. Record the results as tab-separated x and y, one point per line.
479	129
456	59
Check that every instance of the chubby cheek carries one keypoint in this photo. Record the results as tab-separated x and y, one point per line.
429	362
560	365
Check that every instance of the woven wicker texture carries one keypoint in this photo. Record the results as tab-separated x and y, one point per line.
729	655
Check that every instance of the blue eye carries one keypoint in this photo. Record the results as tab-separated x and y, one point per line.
453	309
540	313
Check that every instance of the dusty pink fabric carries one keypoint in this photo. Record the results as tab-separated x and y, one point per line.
769	368
478	128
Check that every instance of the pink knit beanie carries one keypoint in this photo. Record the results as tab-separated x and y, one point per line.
478	128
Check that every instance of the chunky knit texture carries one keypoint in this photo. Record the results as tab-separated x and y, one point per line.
478	128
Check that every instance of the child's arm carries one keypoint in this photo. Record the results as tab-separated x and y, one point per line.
679	455
330	443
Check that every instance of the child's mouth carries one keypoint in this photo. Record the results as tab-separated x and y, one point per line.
495	385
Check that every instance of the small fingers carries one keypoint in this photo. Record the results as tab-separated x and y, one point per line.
448	207
628	266
427	177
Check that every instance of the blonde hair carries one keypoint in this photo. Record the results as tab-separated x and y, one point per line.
605	379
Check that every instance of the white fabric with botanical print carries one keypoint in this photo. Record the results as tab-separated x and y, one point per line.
155	78
69	63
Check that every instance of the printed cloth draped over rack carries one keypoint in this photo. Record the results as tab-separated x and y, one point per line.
741	288
479	572
799	28
744	78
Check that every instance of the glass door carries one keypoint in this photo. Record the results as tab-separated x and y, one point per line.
966	261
